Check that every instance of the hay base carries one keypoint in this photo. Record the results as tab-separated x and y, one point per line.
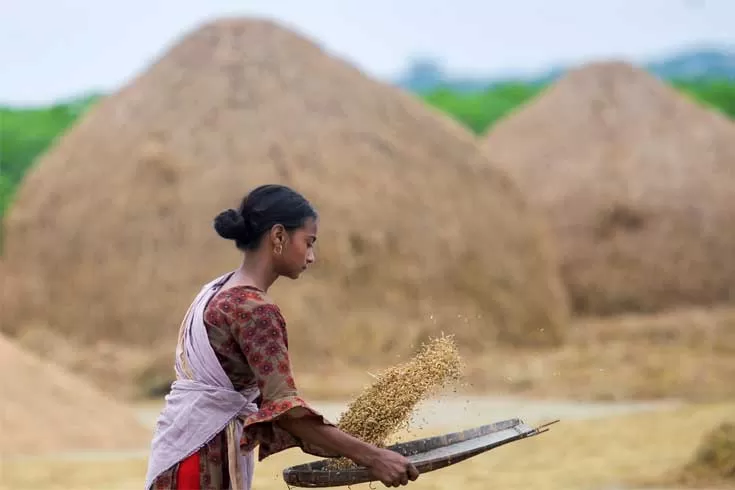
714	461
44	409
639	447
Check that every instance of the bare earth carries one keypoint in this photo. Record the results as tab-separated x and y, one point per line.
596	446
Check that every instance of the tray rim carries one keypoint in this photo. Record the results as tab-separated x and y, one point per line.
294	475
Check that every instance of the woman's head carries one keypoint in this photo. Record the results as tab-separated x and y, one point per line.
276	222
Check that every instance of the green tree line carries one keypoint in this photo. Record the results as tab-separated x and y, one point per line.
480	110
27	133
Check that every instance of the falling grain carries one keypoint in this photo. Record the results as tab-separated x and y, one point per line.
386	406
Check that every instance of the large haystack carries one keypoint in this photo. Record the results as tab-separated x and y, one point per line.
44	409
638	182
113	228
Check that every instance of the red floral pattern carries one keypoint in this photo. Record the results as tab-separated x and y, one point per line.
248	335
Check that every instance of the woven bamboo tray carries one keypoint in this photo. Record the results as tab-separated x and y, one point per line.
428	454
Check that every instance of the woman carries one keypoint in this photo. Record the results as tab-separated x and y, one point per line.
234	388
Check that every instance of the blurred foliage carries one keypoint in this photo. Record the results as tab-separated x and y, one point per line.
480	110
716	94
27	133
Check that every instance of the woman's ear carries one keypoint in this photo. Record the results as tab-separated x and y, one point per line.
278	235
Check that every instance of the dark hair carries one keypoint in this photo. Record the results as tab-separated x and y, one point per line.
260	210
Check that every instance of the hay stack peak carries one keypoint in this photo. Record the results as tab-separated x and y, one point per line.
113	227
637	181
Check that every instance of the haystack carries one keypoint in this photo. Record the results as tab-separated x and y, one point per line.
637	181
113	227
44	409
714	461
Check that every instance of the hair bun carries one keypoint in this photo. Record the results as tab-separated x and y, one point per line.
230	224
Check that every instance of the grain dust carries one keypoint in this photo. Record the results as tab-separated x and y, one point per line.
386	406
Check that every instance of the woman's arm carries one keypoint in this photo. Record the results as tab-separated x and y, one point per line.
261	334
388	466
313	431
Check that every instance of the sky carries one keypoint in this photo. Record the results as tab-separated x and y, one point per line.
53	49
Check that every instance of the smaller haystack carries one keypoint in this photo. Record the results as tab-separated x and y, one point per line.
43	409
714	461
637	181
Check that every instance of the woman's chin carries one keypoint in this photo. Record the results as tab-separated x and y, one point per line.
295	274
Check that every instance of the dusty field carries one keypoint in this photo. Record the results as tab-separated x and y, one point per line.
596	446
605	441
687	355
33	390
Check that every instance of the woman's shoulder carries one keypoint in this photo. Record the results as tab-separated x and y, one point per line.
242	299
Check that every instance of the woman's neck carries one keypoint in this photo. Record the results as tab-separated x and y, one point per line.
256	271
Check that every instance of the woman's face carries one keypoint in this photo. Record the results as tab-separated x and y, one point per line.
298	250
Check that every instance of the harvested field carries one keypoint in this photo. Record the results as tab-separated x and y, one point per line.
714	460
684	354
43	409
636	180
616	452
420	232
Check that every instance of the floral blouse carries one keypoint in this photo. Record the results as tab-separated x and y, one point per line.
248	335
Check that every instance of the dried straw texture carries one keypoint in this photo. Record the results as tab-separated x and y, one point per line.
714	461
637	182
112	229
6	285
44	409
386	406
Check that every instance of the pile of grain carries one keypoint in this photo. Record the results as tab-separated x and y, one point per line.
417	223
714	461
102	363
386	406
44	409
637	182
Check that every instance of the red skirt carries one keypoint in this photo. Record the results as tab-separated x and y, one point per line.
188	475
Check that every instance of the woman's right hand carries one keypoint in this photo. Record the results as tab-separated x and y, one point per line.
391	468
387	466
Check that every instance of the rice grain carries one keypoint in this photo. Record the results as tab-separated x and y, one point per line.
387	404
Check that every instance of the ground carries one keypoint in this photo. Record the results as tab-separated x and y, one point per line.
596	446
600	383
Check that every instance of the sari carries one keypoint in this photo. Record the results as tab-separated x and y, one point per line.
233	381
